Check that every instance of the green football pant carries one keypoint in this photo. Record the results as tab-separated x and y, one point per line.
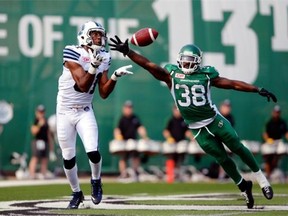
211	139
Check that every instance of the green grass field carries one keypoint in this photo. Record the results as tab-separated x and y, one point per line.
176	197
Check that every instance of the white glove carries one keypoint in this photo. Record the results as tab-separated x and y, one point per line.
52	156
96	60
121	72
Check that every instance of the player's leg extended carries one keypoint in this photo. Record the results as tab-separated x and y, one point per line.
67	140
228	136
66	133
213	147
88	131
226	133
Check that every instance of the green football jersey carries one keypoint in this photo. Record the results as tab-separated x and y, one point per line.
191	93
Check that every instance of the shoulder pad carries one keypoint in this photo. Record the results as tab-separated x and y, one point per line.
71	53
71	47
210	70
171	67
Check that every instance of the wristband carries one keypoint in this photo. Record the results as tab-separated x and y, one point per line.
114	77
92	69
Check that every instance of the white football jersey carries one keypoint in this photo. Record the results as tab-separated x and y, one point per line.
68	92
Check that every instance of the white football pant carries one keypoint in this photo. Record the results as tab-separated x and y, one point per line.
71	121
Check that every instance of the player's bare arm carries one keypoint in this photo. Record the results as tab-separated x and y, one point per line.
225	83
154	69
105	85
83	80
158	72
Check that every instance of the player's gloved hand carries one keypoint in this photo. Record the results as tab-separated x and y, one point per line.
96	59
119	45
263	92
52	156
121	72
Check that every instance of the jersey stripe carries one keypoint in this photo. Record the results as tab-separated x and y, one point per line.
70	54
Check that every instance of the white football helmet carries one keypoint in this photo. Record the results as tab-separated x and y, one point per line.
84	37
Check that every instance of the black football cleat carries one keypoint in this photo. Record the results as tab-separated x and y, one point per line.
268	192
96	191
247	194
77	198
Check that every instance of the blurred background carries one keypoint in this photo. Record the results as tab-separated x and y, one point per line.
243	39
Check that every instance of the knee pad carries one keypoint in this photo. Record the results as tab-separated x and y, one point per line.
69	164
94	156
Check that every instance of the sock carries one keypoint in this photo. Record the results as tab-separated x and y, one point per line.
72	177
95	169
261	179
242	185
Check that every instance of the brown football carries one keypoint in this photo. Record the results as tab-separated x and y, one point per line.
144	37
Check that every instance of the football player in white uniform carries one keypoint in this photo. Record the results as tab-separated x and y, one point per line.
85	66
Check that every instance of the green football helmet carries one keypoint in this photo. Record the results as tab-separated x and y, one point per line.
189	58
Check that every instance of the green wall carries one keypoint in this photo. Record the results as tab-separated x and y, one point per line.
243	39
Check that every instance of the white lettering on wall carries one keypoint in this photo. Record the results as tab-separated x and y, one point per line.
123	28
280	22
50	35
4	51
78	21
36	39
236	33
37	35
180	23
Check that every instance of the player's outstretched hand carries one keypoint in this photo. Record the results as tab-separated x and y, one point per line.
118	45
121	72
96	58
265	93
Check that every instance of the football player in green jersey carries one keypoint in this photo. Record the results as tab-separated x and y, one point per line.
190	84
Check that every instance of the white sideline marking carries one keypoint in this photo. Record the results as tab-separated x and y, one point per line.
108	203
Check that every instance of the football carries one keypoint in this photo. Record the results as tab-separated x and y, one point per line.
144	37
